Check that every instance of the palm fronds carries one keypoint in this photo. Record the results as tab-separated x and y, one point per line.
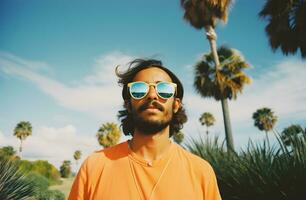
224	81
200	13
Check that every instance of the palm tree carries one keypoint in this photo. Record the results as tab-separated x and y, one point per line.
8	152
286	26
22	130
178	137
290	132
206	14
222	84
77	155
65	169
207	119
265	120
108	134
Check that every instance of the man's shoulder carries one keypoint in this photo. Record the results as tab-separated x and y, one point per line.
193	160
108	154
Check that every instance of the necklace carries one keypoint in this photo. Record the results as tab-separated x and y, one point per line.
158	180
149	163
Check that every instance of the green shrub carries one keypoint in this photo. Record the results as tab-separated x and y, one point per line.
25	165
259	172
41	182
50	195
41	167
46	169
13	183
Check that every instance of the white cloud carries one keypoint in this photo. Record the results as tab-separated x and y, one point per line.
97	94
10	59
104	68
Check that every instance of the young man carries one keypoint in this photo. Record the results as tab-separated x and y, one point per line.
149	166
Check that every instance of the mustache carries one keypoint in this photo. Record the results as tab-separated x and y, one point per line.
151	103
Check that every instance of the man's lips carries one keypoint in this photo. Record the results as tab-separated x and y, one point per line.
151	109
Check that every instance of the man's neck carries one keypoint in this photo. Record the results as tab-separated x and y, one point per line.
150	147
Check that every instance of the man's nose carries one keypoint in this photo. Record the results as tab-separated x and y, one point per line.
152	93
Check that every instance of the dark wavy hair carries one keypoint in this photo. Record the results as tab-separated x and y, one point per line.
135	66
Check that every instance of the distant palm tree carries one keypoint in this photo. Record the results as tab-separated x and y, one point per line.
178	137
286	27
65	169
207	119
224	83
265	120
206	14
77	155
290	132
22	130
108	134
8	152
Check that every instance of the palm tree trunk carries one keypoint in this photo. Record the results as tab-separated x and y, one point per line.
212	37
20	148
267	138
227	125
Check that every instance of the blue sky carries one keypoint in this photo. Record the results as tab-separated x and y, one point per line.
57	62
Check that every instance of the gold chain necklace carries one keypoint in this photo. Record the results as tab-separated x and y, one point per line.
134	178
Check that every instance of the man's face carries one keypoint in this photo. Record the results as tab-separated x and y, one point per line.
152	113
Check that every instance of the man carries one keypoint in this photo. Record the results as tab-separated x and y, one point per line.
149	166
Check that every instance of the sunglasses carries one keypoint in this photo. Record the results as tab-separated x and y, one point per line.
139	89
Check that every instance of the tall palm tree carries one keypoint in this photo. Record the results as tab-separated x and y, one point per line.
22	130
77	155
207	119
108	134
206	14
222	84
286	26
265	120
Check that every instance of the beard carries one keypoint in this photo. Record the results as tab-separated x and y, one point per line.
151	127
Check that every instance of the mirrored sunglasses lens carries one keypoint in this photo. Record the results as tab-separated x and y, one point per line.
138	90
165	90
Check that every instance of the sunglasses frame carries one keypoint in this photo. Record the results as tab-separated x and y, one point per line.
149	85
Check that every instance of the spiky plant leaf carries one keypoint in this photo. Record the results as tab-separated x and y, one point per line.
13	183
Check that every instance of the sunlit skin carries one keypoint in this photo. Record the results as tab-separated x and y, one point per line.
152	146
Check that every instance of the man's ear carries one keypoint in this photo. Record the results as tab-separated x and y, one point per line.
176	105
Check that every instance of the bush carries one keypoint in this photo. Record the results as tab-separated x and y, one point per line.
41	182
13	183
43	168
46	169
50	195
259	172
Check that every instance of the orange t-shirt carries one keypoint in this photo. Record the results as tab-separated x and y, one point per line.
117	173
